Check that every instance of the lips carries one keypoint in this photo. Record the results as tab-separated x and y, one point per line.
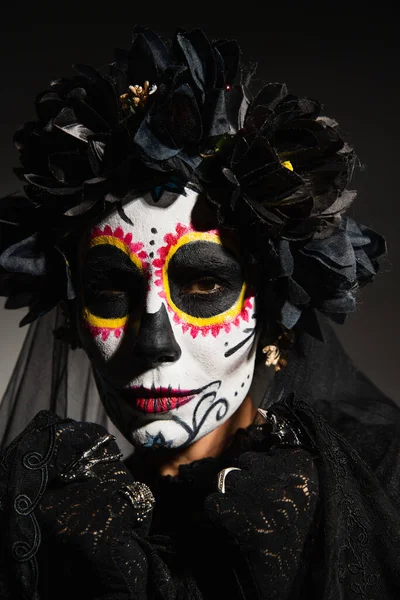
159	400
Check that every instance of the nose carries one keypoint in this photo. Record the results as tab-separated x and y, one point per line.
156	343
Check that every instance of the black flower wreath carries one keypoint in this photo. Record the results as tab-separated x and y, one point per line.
159	117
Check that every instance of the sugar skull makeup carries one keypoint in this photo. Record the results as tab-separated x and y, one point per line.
167	319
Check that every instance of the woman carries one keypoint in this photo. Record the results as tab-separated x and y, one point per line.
190	236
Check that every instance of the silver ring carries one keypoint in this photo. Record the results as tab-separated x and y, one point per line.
222	476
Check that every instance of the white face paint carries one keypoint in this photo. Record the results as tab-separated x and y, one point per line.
167	320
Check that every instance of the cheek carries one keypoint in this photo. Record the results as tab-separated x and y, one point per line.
100	332
100	343
232	321
218	353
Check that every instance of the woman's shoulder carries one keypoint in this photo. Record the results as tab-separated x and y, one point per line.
373	430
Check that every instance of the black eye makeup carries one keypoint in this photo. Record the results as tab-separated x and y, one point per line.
204	279
112	285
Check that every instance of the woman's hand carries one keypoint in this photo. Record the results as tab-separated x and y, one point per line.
265	518
90	515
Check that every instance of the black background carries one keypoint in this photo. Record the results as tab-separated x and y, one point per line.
345	55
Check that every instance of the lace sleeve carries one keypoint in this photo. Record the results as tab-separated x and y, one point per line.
266	516
70	517
89	512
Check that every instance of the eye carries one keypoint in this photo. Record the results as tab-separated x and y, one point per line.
204	286
107	294
204	279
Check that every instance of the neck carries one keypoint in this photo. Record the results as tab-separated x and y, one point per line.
211	445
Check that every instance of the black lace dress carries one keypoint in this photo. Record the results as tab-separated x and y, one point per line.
313	512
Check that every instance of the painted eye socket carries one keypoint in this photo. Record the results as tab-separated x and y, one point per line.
203	280
112	285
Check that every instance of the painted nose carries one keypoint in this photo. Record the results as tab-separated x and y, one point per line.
156	343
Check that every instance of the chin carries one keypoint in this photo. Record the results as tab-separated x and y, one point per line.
184	425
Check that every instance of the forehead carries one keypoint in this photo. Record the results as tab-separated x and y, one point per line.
148	219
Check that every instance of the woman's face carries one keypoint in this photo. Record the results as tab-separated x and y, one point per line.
167	320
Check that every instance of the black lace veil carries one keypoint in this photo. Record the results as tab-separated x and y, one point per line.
49	375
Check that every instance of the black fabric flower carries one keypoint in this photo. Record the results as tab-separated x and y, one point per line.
288	165
325	273
159	117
